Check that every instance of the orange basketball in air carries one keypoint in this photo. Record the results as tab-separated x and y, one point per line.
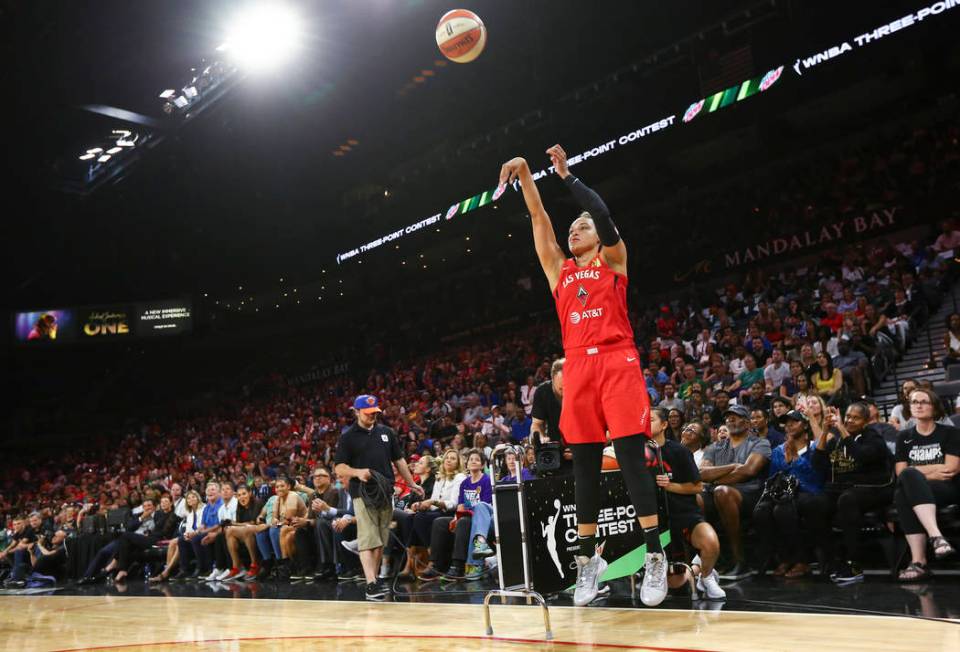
461	35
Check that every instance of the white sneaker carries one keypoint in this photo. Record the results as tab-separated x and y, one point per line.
588	579
212	577
352	546
653	591
710	585
222	575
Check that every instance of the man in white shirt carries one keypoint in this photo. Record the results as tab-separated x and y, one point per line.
226	514
776	372
179	502
526	395
227	511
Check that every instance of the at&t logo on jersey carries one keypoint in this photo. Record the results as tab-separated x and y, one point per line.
576	317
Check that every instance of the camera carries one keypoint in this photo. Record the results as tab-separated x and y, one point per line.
548	458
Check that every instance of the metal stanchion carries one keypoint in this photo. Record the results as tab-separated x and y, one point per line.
525	590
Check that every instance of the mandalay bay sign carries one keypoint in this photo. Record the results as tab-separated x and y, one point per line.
790	245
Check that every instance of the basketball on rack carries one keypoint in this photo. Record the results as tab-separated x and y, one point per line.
461	35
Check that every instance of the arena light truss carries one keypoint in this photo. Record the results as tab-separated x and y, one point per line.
261	37
106	158
206	83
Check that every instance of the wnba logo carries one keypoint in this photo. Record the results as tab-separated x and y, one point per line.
575	317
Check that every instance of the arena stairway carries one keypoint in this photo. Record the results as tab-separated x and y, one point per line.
913	364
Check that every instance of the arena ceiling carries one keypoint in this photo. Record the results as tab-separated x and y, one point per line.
254	188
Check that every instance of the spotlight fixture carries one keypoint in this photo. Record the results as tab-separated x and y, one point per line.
263	37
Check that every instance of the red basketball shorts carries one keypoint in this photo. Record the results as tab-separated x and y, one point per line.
603	390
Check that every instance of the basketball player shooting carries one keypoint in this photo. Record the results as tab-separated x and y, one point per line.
604	389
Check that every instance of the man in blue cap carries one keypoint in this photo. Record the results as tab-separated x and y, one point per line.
366	450
733	471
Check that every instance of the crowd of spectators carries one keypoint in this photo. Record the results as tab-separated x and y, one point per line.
782	360
772	364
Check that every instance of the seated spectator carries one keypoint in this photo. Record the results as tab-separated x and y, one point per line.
733	467
441	503
900	414
951	341
189	522
670	399
694	407
196	543
674	424
105	559
289	515
779	523
526	395
403	515
46	556
827	381
334	526
898	314
511	459
721	401
451	545
832	321
754	398
808	358
696	439
689	380
751	374
682	484
760	354
760	427
530	456
800	389
717	377
776	373
948	240
163	527
859	480
853	365
242	529
779	406
927	462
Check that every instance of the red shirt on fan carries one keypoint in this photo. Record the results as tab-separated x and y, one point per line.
592	305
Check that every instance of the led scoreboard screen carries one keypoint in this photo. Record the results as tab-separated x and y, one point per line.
113	322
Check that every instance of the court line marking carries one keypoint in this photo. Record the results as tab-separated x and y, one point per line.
654	610
375	637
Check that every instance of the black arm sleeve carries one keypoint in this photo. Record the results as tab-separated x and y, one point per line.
590	201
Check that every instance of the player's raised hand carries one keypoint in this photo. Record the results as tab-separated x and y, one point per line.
558	158
511	170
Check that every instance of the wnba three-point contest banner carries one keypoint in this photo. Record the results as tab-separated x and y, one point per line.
552	531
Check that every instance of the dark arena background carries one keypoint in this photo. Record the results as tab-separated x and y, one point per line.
235	230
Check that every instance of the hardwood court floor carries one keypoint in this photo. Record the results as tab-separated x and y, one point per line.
156	624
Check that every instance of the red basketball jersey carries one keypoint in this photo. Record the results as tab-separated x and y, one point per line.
592	305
